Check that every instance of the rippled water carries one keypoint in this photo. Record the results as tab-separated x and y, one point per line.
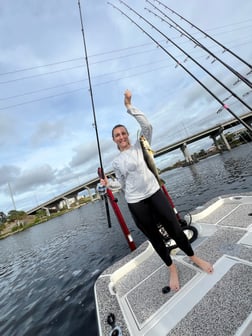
47	273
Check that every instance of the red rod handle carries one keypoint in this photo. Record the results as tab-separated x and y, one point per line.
121	220
118	214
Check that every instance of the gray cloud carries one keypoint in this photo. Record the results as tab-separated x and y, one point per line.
31	178
83	154
46	135
48	131
8	173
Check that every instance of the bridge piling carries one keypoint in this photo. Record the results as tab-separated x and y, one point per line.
186	153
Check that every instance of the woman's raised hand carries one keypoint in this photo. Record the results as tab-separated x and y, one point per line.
127	98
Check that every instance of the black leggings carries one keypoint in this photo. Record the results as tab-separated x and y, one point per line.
157	209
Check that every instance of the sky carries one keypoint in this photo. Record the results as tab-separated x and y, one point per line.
48	124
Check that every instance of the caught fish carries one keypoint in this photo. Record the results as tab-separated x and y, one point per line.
149	158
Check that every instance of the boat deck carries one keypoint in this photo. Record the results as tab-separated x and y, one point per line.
207	304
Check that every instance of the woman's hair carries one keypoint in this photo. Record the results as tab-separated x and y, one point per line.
116	126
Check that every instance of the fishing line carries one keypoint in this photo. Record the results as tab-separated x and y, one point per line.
225	106
183	32
205	34
196	62
93	109
182	50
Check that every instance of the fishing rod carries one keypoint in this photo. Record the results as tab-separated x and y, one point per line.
193	59
183	32
190	57
205	34
93	109
225	106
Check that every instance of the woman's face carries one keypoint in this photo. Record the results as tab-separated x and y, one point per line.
121	138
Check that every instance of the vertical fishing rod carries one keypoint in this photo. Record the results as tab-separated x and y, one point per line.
204	33
225	106
181	30
93	109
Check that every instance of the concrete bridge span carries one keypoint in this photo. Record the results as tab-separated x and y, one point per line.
213	132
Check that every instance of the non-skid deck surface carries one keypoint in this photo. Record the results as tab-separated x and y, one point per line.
223	309
218	308
147	297
216	305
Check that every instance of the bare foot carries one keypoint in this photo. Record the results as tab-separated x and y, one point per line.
174	281
204	265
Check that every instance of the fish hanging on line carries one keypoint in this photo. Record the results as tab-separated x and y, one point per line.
149	158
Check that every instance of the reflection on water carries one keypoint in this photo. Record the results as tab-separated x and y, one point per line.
226	173
234	168
47	273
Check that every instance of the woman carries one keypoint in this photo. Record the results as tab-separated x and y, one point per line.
145	199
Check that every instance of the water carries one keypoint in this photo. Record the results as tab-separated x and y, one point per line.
47	273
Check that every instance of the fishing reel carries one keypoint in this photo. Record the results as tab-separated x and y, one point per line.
101	189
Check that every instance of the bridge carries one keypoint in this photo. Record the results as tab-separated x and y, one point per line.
64	197
213	132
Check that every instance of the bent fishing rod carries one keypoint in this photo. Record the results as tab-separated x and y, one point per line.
205	34
183	32
93	109
225	106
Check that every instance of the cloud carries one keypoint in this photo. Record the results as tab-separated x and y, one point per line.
31	178
48	142
8	127
8	173
83	153
48	131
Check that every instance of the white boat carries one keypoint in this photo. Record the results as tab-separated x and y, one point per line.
129	297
